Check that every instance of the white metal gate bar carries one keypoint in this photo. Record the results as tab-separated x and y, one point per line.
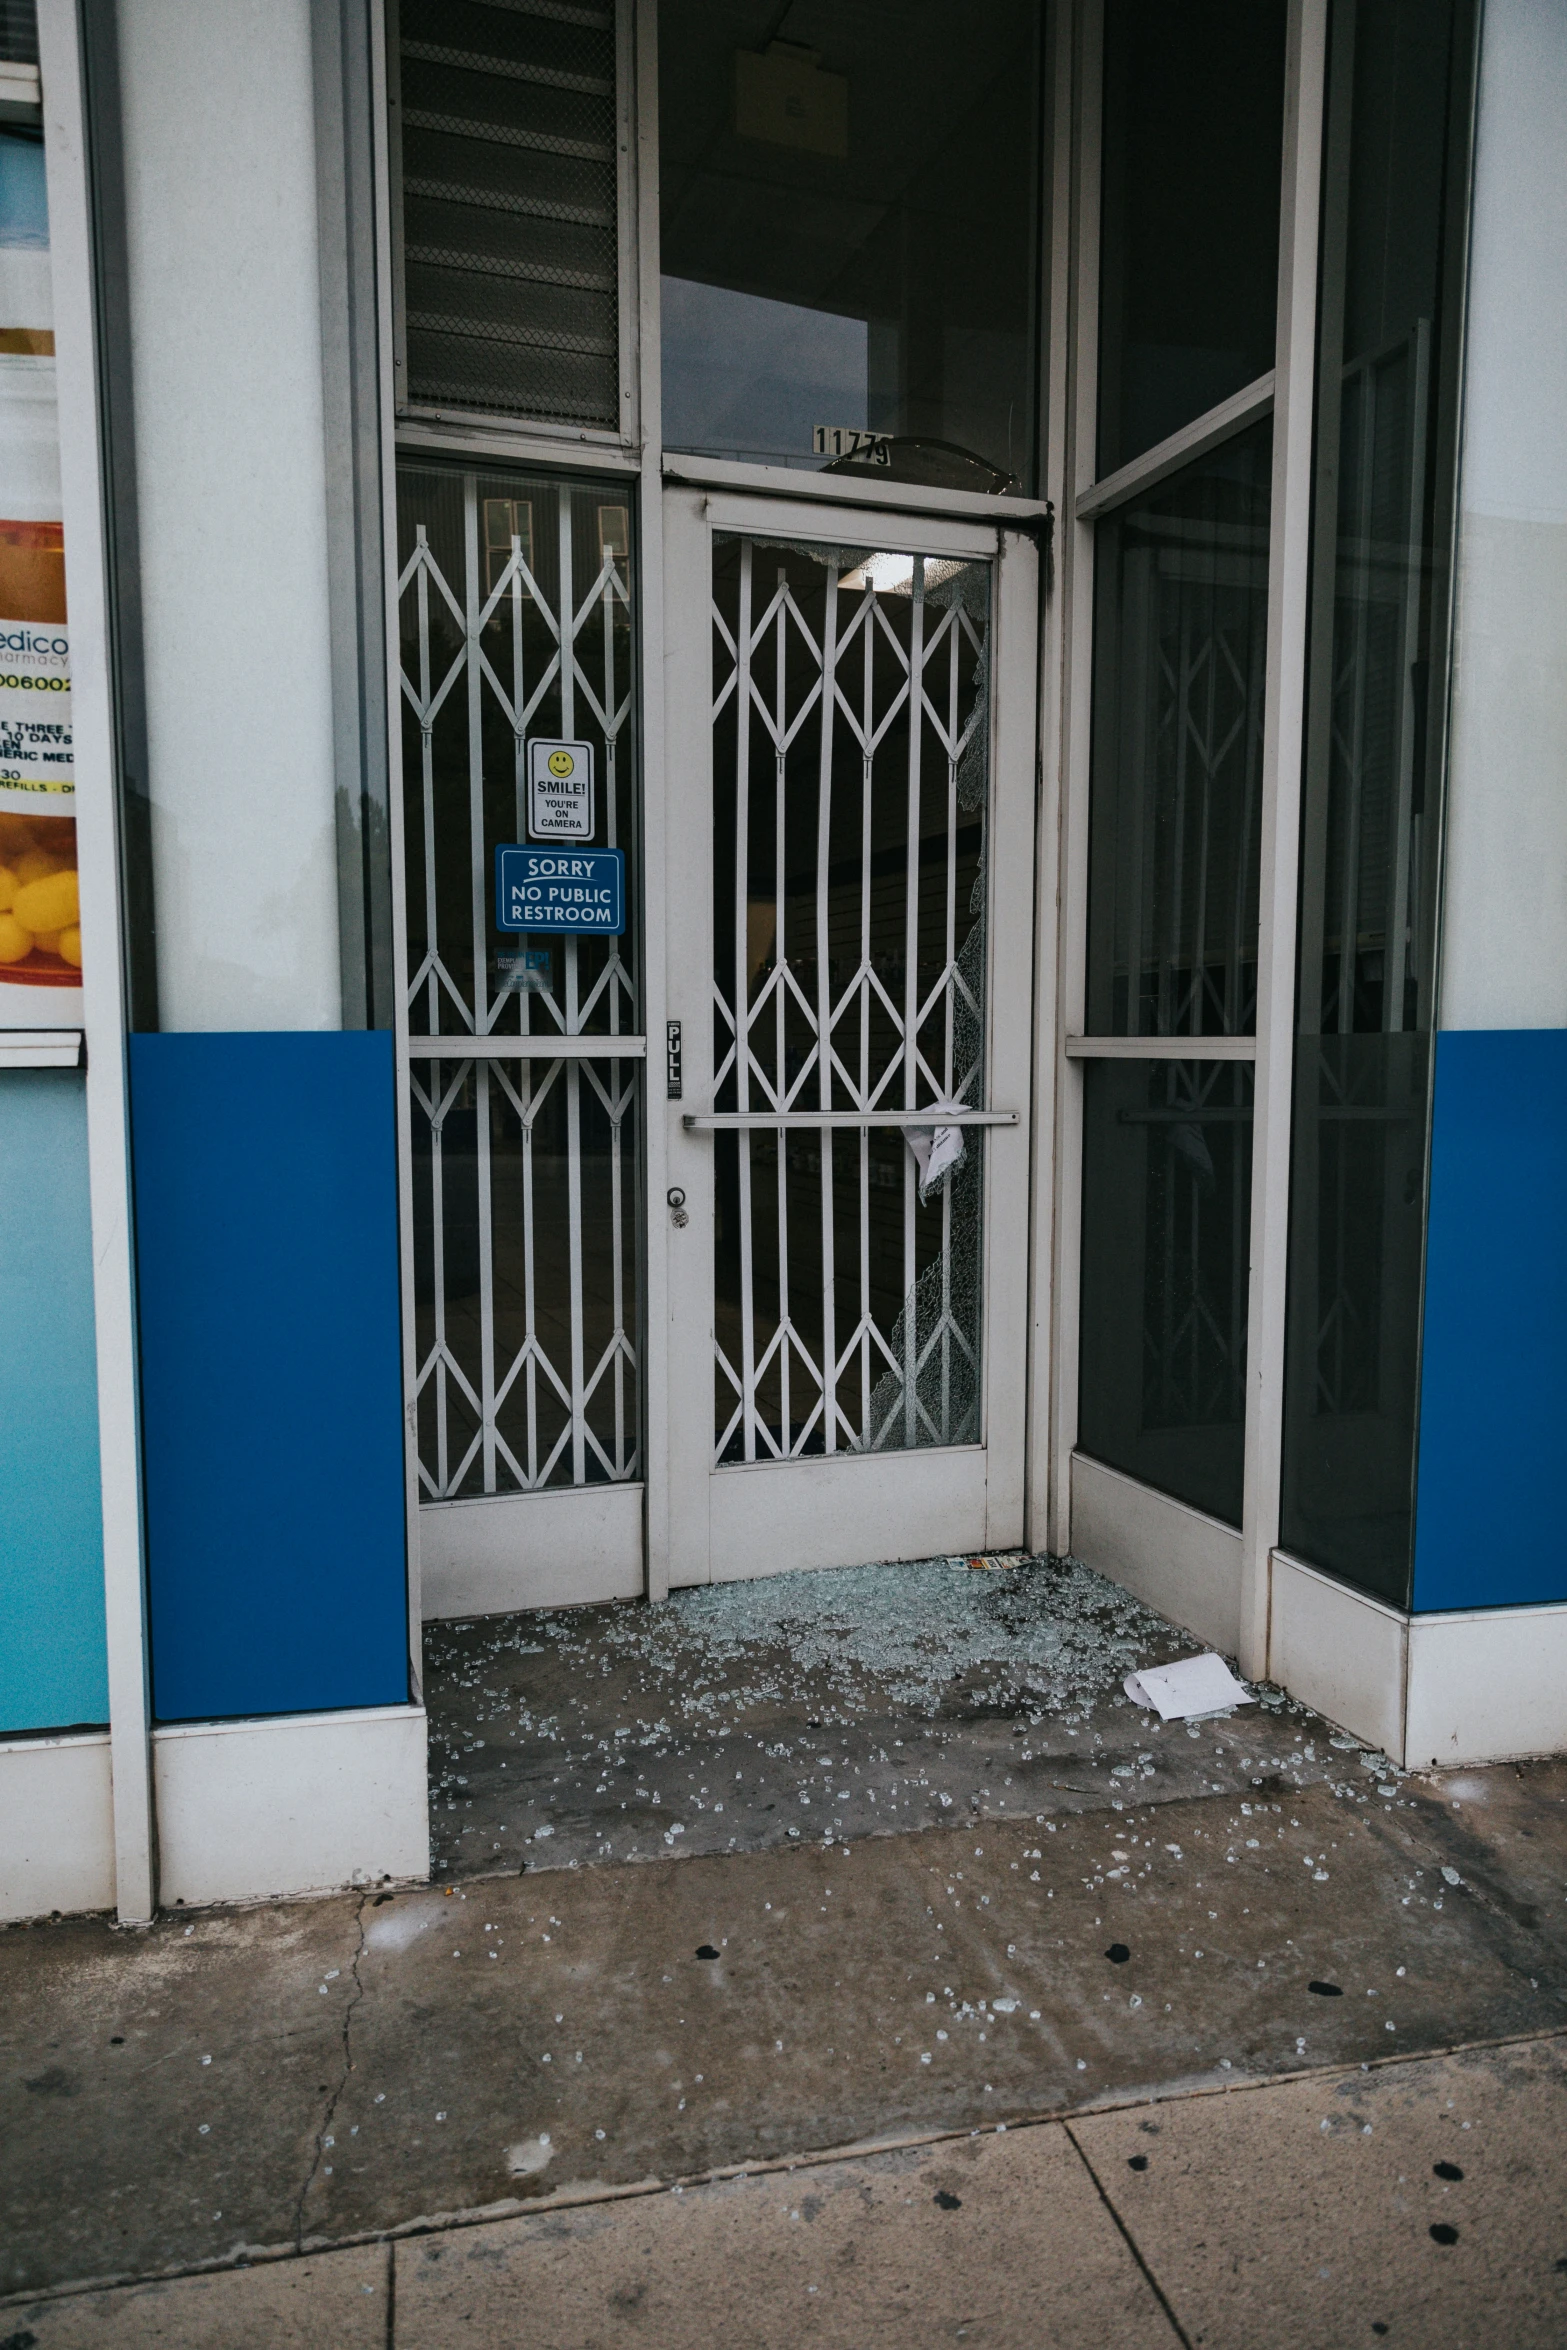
527	1373
813	1121
876	1048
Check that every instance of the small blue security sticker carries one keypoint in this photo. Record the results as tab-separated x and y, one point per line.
575	891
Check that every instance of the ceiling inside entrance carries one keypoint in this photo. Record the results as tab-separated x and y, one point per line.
856	187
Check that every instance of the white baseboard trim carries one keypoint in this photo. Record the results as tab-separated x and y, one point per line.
1179	1561
843	1511
1486	1685
56	1825
1338	1651
565	1547
298	1804
1435	1692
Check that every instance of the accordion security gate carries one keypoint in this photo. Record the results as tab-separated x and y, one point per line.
851	717
848	837
524	1052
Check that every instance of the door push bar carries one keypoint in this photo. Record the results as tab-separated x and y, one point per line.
934	1114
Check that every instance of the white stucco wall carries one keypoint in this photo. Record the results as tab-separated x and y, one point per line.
221	228
1504	931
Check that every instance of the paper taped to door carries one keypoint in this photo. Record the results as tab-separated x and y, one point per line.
1197	1685
938	1152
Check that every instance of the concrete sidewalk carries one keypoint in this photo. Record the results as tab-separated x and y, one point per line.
1421	2201
304	2075
740	1887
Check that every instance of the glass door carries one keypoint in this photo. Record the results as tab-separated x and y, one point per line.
851	967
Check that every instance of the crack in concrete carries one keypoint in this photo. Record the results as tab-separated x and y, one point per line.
342	2081
582	2197
1128	2239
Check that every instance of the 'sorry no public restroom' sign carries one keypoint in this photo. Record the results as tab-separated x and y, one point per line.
581	892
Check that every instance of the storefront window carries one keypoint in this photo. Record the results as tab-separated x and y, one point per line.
1193	118
850	213
1166	1256
40	928
1392	245
1174	846
1181	606
53	1654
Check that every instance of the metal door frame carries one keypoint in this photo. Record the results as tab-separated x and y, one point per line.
743	1521
567	1525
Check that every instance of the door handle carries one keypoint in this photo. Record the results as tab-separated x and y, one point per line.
933	1114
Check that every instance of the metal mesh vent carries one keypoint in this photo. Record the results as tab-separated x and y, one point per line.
509	212
19	32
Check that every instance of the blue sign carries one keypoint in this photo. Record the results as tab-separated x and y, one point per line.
575	891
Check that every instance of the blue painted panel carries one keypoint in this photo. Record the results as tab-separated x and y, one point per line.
24	197
1491	1498
267	1276
53	1666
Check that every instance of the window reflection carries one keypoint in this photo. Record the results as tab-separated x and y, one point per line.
1180	637
1193	119
1166	1251
1386	423
849	222
1181	615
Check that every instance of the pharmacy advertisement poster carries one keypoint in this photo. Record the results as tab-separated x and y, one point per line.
40	925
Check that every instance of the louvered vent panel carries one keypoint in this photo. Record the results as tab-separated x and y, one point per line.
19	32
509	252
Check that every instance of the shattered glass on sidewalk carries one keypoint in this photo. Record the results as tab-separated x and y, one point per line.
824	1706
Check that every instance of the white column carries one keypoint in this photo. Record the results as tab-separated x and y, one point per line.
1288	582
221	229
108	1142
1504	916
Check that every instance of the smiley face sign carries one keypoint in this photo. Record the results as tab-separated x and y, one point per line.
560	791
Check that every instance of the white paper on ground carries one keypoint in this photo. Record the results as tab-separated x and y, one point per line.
1197	1685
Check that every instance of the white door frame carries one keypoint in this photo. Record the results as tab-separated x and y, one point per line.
762	1518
